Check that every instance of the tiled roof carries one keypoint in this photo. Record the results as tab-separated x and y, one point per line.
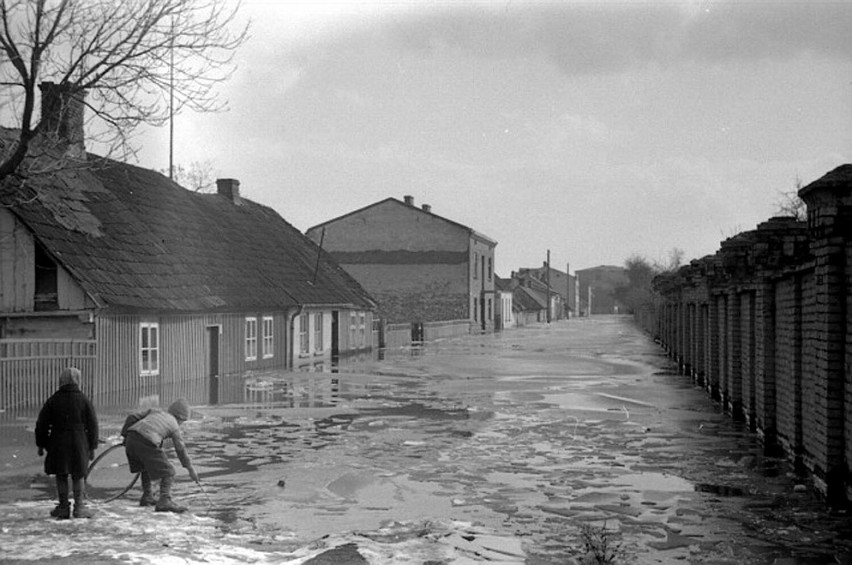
136	241
524	298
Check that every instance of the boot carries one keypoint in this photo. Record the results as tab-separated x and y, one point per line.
80	508
63	509
166	504
147	491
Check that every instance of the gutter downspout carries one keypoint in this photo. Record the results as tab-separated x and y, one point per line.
291	342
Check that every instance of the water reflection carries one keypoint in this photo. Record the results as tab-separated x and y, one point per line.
291	391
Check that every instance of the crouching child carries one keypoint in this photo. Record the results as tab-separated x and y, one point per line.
144	433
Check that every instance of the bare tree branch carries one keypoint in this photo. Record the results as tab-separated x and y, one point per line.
118	57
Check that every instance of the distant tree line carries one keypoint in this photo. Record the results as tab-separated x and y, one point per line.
638	293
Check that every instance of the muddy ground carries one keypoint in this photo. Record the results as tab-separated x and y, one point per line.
528	446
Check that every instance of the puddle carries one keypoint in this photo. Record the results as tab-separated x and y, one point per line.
655	482
719	490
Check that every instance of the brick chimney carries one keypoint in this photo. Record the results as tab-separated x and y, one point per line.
427	207
230	189
408	200
62	115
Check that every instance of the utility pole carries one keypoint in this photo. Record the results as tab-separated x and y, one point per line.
568	306
547	278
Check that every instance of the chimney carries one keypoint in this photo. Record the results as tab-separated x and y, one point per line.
230	189
62	113
409	200
427	207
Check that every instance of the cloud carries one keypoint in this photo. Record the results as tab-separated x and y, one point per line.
606	37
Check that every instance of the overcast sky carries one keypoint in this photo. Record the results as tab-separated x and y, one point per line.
598	130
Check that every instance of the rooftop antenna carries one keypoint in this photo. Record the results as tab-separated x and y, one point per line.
172	102
319	254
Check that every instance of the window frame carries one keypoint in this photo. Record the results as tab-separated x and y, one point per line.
319	322
153	366
268	337
250	334
304	334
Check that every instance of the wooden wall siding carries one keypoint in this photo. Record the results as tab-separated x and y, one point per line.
117	374
184	356
69	294
29	370
52	327
17	271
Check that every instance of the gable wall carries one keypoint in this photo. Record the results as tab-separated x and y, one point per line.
17	271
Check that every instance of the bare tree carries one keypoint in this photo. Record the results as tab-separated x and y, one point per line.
197	177
790	205
130	62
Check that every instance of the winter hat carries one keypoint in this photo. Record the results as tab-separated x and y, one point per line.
179	409
69	375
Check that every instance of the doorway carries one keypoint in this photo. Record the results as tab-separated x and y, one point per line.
213	363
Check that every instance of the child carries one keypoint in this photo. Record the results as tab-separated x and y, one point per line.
144	433
67	428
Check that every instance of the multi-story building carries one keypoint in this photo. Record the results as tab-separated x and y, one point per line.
421	268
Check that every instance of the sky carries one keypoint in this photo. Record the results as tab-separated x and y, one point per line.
595	130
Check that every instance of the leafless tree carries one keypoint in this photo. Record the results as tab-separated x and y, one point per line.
197	177
790	205
131	62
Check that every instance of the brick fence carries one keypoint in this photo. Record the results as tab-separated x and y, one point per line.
763	326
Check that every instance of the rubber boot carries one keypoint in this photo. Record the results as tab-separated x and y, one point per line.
147	491
81	510
63	509
166	504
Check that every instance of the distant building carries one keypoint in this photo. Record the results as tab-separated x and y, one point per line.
421	268
504	304
561	283
597	287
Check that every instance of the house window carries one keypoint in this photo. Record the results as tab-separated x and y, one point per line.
474	310
251	339
353	326
489	309
490	267
318	327
362	329
475	265
268	337
304	335
149	351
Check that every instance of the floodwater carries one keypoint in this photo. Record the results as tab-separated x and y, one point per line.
535	446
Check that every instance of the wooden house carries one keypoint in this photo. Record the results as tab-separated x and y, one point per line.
156	292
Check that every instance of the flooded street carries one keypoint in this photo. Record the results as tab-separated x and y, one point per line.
519	447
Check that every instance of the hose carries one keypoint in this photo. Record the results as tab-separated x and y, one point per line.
103	454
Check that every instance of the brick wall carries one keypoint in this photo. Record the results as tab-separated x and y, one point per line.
764	326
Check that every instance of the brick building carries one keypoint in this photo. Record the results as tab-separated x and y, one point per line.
421	268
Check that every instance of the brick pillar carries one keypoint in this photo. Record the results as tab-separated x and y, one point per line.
829	201
701	373
747	327
734	385
690	339
716	342
764	365
698	366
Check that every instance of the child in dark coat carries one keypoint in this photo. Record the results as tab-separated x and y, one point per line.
67	428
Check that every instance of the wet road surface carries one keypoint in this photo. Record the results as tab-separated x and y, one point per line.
519	447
